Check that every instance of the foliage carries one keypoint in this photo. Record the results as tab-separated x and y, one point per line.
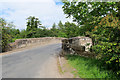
32	24
35	30
83	12
107	42
23	34
54	30
60	24
6	37
71	30
14	33
8	33
89	14
97	22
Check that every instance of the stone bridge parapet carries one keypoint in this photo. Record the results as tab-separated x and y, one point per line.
20	43
77	45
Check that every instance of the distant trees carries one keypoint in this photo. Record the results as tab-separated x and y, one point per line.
35	30
32	24
54	30
57	30
15	33
61	30
60	25
65	30
71	30
23	33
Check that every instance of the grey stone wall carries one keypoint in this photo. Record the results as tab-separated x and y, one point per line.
20	43
77	45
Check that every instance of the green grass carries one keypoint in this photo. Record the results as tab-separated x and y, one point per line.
13	40
88	68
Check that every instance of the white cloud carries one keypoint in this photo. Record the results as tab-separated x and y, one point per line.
47	11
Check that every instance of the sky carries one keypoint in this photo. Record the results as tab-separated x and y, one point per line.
17	11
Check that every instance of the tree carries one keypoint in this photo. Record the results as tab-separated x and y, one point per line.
53	27
90	14
60	25
6	37
71	30
0	37
15	33
61	30
54	30
23	34
101	22
32	24
85	11
106	38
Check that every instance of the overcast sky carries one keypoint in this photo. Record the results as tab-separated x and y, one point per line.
48	11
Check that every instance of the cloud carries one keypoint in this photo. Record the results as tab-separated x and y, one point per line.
46	10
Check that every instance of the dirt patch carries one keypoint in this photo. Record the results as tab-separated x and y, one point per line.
66	71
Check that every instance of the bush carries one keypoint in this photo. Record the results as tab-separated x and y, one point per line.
106	37
6	36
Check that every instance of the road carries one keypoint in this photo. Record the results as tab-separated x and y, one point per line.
37	62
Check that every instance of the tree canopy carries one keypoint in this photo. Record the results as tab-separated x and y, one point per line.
89	14
32	24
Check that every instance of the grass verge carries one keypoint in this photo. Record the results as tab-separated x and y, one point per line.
88	68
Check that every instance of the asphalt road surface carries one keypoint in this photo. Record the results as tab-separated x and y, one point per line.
37	62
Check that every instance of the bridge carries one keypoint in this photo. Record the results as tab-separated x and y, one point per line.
32	58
